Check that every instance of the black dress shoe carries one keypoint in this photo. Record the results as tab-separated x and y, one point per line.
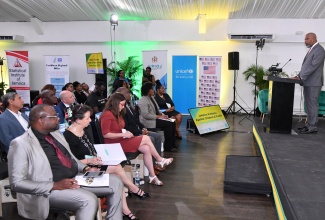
171	149
302	128
308	131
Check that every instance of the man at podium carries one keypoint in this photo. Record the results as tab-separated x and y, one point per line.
311	75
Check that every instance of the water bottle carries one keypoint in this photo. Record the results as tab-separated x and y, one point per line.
137	175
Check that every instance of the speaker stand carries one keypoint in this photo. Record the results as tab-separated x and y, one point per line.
232	107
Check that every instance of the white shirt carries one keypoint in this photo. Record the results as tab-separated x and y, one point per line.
20	119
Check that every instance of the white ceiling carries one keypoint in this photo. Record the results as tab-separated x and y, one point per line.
100	10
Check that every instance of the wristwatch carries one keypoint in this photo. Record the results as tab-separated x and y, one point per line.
86	169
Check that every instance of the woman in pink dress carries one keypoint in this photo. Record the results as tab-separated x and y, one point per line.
112	125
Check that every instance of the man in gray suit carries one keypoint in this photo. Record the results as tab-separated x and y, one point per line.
42	168
311	75
13	123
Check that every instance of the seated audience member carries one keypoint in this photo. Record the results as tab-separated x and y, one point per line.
38	100
42	168
119	83
121	76
152	118
10	90
48	97
85	89
68	86
148	77
96	100
82	144
133	124
112	123
65	106
1	106
12	122
80	96
165	102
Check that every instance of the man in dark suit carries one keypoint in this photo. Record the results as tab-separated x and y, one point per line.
13	123
133	124
42	168
311	75
67	100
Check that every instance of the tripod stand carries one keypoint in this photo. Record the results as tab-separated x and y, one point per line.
232	107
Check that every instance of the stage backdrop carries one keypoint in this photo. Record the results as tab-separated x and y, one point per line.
18	69
184	82
57	71
209	80
157	60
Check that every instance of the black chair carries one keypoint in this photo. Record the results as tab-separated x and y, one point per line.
3	153
129	155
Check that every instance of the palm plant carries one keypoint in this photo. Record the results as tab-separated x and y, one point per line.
133	70
257	75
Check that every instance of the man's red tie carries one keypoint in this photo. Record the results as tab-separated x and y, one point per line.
63	158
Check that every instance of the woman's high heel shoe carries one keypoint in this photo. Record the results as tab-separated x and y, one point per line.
130	216
141	194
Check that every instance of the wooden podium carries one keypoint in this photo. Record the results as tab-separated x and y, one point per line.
280	104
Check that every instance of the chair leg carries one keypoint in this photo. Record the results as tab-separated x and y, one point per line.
263	114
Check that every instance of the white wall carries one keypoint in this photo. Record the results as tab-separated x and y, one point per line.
178	37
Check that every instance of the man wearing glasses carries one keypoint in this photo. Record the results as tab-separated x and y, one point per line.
42	170
13	123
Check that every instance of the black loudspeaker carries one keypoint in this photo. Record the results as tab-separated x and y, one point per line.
233	60
103	77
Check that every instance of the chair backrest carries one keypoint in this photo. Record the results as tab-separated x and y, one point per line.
262	100
99	131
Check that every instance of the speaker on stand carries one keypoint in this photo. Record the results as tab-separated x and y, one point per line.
233	64
103	77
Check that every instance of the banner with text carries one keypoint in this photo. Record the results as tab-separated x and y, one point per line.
57	71
184	82
94	63
209	80
157	60
18	70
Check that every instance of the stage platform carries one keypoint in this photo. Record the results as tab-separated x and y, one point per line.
296	166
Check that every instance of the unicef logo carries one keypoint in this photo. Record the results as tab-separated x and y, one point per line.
190	71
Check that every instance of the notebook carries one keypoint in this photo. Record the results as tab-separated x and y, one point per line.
111	154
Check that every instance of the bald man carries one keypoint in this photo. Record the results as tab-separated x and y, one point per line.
311	75
67	100
42	168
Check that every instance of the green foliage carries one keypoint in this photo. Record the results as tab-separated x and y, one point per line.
3	85
257	74
133	70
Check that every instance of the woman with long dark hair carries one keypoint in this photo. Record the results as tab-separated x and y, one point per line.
112	125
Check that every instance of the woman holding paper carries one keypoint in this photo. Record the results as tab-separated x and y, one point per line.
165	102
112	125
152	118
80	140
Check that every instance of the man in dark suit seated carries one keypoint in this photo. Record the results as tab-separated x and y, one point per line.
133	124
42	168
67	100
13	123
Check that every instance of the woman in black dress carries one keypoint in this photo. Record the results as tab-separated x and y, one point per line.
147	77
81	142
165	102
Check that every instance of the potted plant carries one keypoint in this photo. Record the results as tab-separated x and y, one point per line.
3	85
133	70
257	74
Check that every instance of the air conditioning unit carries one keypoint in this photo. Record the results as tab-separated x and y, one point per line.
251	37
11	38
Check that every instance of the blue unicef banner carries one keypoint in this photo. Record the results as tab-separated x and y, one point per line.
184	82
